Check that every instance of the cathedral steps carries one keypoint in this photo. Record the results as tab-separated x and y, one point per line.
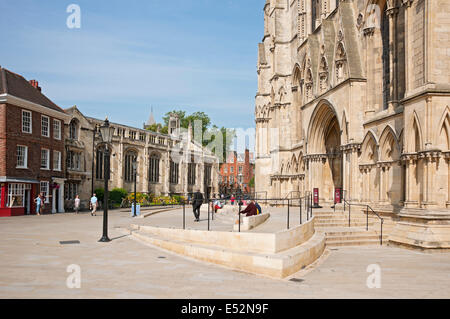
337	232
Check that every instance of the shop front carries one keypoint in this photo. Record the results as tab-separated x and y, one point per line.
17	197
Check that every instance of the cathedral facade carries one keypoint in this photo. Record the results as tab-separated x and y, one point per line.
354	94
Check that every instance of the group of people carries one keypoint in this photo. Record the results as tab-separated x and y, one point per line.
253	208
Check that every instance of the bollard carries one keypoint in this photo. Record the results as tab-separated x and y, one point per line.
208	212
213	210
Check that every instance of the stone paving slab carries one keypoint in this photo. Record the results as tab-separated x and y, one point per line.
34	264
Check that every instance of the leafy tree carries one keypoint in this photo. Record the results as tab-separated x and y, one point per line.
209	134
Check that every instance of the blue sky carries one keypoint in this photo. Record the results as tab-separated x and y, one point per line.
130	55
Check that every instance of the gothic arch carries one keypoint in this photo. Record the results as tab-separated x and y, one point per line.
321	120
415	141
389	146
443	136
369	148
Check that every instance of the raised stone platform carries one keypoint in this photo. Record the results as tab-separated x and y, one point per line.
278	254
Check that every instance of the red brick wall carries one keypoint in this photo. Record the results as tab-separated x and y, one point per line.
11	132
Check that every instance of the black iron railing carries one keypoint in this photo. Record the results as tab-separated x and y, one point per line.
367	208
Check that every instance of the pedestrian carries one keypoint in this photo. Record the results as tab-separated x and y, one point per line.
196	204
38	201
93	205
232	199
76	204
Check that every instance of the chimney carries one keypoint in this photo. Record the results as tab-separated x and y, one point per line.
35	84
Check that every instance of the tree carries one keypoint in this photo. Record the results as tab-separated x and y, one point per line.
209	134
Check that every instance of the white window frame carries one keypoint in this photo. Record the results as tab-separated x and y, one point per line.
25	157
58	162
31	121
16	190
48	159
42	125
56	129
46	192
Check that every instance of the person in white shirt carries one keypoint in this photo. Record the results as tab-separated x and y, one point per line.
76	204
93	205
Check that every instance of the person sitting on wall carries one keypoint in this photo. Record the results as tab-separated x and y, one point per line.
250	210
259	208
217	205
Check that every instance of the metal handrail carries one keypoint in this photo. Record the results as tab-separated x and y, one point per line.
367	216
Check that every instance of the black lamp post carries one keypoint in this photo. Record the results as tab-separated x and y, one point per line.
134	164
107	133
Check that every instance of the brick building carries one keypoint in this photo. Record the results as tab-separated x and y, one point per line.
236	173
31	147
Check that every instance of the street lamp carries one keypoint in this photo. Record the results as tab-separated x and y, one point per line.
134	164
107	133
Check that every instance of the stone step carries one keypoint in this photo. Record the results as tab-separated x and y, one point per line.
365	242
342	224
351	237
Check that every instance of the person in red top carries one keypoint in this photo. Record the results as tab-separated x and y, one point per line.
232	199
250	210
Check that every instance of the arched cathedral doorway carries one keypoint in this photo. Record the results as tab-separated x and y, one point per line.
324	152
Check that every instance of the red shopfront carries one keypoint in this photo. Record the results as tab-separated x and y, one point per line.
17	198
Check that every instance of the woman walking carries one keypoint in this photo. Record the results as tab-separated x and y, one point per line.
76	204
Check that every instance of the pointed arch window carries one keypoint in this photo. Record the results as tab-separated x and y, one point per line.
154	168
129	173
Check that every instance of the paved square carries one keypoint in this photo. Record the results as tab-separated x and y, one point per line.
34	264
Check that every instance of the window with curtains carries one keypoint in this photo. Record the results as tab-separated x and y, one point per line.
174	172
99	164
128	169
153	170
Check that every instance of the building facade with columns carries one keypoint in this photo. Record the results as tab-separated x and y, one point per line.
167	164
354	94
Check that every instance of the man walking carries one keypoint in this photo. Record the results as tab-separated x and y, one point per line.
93	205
196	204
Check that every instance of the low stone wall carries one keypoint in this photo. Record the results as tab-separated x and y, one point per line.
250	222
252	242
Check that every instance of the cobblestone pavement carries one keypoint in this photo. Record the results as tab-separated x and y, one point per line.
34	265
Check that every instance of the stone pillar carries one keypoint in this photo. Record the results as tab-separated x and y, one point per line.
392	13
61	198
54	201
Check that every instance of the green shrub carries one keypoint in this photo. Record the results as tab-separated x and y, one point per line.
117	195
